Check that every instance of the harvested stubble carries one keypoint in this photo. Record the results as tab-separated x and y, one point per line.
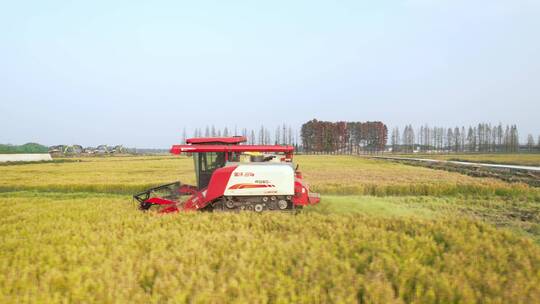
355	175
523	159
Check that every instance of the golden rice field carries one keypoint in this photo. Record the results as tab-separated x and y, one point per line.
68	236
326	174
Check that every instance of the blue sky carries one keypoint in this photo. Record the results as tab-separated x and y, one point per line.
138	72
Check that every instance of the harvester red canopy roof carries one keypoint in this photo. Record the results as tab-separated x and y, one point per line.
178	149
216	140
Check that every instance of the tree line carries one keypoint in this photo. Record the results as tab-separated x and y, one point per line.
317	136
314	137
343	137
280	135
483	137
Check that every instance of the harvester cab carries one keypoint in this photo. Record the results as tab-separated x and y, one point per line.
232	177
207	162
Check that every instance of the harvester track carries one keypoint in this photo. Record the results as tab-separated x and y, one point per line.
253	203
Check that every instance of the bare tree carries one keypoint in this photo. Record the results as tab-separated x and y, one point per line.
411	138
290	136
514	137
500	135
471	140
284	135
457	139
428	137
184	135
494	132
408	138
480	137
483	137
267	137
463	139
487	137
422	138
405	137
394	139
530	143
449	139
252	138
507	140
261	135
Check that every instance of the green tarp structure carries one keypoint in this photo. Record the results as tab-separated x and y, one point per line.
26	148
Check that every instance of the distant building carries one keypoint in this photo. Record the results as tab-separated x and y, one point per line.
102	149
89	150
75	149
118	149
63	150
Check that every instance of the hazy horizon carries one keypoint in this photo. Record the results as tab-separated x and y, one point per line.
137	73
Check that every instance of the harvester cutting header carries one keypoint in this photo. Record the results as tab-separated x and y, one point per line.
233	177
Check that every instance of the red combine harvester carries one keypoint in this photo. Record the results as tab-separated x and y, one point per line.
233	177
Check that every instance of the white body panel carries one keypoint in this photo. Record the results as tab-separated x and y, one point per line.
261	180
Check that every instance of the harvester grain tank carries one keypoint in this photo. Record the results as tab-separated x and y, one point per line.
233	177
